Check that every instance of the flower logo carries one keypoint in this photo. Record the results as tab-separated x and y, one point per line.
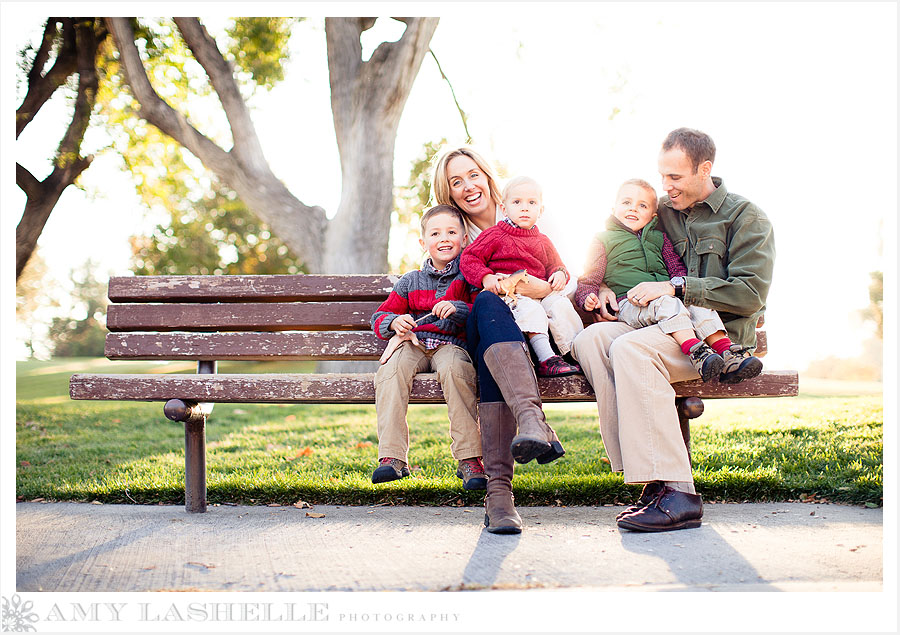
17	615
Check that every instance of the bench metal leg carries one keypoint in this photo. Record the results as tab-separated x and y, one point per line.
195	465
194	416
688	408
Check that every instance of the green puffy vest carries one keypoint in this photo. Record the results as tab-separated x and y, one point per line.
631	259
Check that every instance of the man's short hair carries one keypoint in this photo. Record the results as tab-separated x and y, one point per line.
698	146
442	209
644	185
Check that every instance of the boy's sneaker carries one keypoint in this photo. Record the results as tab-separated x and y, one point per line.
389	470
740	364
707	362
471	471
556	366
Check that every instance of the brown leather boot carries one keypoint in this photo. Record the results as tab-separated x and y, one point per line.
510	366
497	429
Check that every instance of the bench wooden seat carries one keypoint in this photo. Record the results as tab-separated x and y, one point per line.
291	318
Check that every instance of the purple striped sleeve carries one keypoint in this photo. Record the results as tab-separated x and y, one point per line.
673	263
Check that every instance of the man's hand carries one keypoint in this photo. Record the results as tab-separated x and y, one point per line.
646	292
600	303
443	309
403	324
557	280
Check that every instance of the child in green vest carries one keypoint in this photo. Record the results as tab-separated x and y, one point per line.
629	258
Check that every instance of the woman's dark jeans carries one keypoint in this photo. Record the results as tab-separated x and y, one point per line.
489	322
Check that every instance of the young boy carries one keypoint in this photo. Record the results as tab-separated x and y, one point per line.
631	257
514	244
424	317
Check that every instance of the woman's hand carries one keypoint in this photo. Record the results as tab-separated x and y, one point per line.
403	324
557	281
646	292
534	288
443	309
600	303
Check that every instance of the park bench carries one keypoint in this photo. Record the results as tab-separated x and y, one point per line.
289	317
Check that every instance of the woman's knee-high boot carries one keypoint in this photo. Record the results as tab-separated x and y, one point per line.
510	366
498	427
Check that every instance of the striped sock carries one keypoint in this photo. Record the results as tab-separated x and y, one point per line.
722	345
687	346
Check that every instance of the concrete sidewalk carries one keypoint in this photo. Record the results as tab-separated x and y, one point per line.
740	547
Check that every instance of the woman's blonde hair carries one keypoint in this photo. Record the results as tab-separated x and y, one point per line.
440	183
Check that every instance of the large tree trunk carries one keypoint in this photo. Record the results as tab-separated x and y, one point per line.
367	100
78	51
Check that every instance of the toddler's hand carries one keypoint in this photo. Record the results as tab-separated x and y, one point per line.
403	324
557	281
491	282
443	309
591	302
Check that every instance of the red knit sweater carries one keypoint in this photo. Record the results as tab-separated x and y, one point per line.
506	249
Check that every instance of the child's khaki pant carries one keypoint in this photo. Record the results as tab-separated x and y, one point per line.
671	315
393	383
554	315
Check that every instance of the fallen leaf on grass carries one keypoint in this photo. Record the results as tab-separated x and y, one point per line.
604	460
291	418
364	444
24	463
307	451
314	515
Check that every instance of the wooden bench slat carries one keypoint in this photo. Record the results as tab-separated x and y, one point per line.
359	388
258	288
250	316
319	345
269	346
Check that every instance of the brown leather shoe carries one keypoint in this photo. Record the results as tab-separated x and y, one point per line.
648	495
670	510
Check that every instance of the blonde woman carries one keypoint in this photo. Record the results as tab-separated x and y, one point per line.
513	426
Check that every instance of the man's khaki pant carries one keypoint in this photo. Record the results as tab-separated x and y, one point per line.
631	372
393	382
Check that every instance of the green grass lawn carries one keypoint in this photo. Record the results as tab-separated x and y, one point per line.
825	444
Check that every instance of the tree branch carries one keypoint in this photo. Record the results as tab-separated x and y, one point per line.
27	181
158	112
41	88
462	114
221	76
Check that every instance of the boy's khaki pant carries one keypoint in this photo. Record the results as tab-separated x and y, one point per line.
632	372
393	383
672	315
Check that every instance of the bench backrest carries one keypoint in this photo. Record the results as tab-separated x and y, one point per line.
272	317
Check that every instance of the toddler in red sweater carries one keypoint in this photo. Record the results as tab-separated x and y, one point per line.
513	244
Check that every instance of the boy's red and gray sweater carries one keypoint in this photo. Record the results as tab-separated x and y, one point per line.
417	292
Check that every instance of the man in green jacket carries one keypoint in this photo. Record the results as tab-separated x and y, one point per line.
727	245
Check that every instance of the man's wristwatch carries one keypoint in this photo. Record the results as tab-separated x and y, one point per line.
678	284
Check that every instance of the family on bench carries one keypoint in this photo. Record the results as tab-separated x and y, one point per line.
676	286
